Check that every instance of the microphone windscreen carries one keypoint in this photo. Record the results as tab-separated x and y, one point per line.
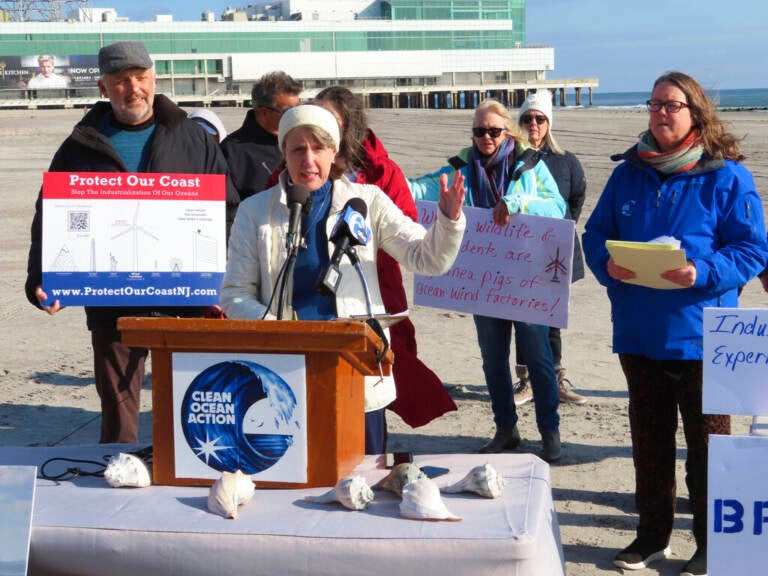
296	193
357	204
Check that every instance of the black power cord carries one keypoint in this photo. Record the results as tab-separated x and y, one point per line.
72	472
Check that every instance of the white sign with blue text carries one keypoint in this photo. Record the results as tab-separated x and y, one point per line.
737	505
521	271
735	361
239	411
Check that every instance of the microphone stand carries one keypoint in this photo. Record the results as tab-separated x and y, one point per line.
352	254
285	295
371	320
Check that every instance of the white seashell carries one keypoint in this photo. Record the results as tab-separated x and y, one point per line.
352	492
483	480
127	470
398	477
233	489
422	501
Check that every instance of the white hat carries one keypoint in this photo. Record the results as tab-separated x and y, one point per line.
540	101
210	119
308	115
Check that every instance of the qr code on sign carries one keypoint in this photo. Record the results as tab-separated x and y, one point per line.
79	221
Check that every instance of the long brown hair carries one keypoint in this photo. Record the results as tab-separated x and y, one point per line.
354	125
715	138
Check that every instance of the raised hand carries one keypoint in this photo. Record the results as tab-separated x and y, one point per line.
452	197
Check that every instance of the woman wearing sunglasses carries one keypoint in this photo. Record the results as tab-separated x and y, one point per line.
502	173
683	179
535	119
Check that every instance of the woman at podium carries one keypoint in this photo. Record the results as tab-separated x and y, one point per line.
329	229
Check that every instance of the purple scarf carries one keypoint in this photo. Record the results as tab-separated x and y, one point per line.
489	175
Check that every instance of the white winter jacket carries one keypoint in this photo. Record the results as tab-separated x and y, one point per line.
257	252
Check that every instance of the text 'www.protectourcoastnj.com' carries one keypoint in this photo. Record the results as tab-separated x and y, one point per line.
183	291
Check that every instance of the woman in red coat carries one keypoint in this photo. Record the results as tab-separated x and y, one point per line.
421	396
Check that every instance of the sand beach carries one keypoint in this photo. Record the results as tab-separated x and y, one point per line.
47	396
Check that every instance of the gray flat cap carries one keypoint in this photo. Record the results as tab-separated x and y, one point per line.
121	55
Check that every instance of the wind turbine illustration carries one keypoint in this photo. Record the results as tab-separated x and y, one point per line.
556	264
135	229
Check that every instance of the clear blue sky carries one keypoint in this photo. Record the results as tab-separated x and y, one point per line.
627	44
624	43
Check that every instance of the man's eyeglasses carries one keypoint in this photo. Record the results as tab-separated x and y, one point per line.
492	132
530	119
277	110
670	106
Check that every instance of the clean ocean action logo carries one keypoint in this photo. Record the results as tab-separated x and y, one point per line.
239	415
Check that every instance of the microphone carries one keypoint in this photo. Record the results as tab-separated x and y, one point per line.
298	200
349	231
297	196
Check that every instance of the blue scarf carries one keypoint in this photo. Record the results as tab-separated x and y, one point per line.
308	303
489	175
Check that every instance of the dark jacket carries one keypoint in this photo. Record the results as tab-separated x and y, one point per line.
569	175
252	154
178	146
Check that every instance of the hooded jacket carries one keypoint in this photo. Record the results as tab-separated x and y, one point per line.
715	212
178	146
421	396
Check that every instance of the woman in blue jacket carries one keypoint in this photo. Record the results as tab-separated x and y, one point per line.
504	174
682	179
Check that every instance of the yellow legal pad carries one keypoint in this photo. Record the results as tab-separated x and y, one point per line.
648	260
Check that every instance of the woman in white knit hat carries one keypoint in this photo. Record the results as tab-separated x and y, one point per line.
535	120
309	138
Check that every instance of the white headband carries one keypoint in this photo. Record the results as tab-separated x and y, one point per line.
308	115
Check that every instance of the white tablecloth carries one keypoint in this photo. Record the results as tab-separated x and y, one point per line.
84	527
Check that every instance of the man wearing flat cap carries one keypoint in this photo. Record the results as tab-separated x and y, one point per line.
135	131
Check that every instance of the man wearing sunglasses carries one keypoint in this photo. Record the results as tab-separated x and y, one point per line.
252	151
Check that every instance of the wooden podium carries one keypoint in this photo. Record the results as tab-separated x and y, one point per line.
338	354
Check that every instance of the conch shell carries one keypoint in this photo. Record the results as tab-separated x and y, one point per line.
230	491
398	477
422	501
127	470
483	480
352	492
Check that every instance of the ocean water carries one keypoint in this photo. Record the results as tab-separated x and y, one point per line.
753	98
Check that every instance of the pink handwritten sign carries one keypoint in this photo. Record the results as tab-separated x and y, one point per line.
521	271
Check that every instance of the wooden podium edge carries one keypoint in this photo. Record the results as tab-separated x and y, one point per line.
354	345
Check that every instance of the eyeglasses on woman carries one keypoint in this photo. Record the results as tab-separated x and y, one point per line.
670	106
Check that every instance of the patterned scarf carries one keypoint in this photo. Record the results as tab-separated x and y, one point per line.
682	158
489	175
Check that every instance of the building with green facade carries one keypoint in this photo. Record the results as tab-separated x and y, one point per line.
426	53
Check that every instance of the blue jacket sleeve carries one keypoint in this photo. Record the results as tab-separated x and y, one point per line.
536	193
741	253
427	187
